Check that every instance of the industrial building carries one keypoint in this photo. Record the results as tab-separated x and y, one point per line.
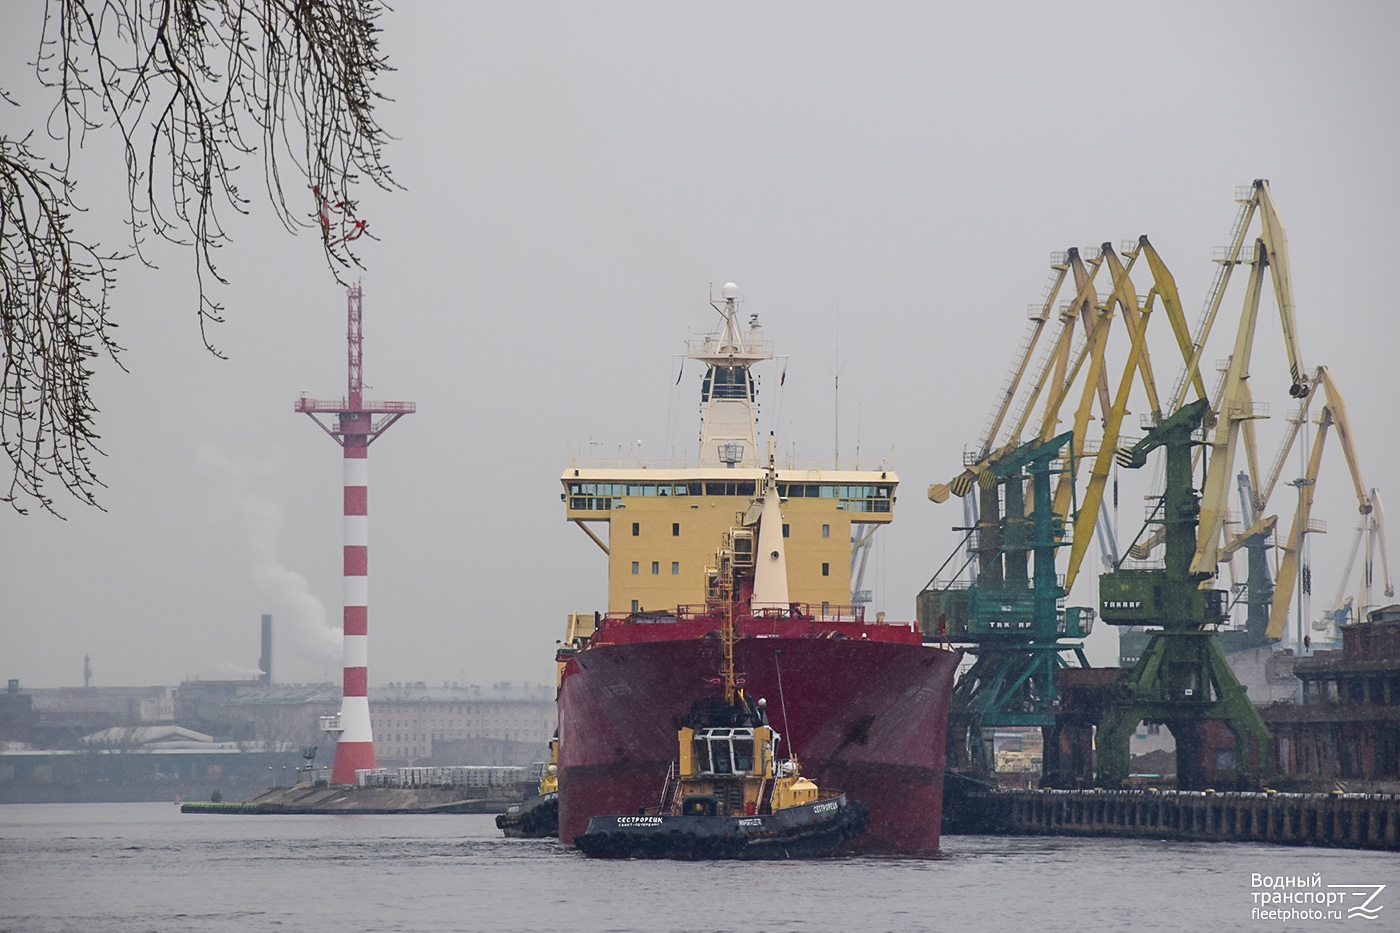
95	743
1347	726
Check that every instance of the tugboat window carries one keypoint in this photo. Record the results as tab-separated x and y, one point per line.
720	753
702	755
743	754
725	751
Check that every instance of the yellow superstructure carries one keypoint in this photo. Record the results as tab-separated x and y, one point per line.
661	522
661	526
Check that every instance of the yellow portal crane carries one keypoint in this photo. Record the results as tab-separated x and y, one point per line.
1256	198
1233	408
1333	415
1138	362
1062	365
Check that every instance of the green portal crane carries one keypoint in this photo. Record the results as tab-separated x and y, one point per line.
1181	678
1011	615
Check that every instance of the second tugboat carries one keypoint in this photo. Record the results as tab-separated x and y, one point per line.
536	817
731	796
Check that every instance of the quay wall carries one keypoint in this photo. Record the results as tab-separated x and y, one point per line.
1357	821
335	799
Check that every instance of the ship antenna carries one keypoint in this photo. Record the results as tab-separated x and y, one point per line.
782	700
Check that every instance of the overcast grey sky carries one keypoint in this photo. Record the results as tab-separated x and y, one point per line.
885	182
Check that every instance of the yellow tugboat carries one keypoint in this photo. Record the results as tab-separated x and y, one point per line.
536	817
730	795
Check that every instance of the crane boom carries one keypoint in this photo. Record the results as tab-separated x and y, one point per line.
1275	254
1296	422
1164	287
1275	242
1133	318
1288	571
1113	423
1334	414
1378	543
1234	408
1061	375
987	450
1165	284
1021	361
1339	416
1096	338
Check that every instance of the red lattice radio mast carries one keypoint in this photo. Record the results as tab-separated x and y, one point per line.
354	424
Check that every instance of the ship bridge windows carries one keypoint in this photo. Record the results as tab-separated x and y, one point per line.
724	751
851	498
598	497
727	382
729	489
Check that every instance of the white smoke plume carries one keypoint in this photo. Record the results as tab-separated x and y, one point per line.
298	615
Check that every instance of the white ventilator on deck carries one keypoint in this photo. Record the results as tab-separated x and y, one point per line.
770	584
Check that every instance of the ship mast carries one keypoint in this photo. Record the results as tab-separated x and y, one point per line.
726	640
729	393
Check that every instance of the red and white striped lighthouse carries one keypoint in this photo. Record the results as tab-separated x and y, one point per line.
355	428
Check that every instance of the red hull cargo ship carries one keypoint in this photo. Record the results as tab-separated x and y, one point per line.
863	702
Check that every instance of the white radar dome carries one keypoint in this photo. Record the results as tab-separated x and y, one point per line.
730	291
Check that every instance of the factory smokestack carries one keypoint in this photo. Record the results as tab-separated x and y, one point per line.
265	663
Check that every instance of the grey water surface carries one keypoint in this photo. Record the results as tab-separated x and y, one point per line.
146	868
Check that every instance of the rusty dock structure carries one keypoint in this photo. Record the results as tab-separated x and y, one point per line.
1356	821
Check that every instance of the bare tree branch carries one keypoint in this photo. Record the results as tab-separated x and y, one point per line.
191	87
53	315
